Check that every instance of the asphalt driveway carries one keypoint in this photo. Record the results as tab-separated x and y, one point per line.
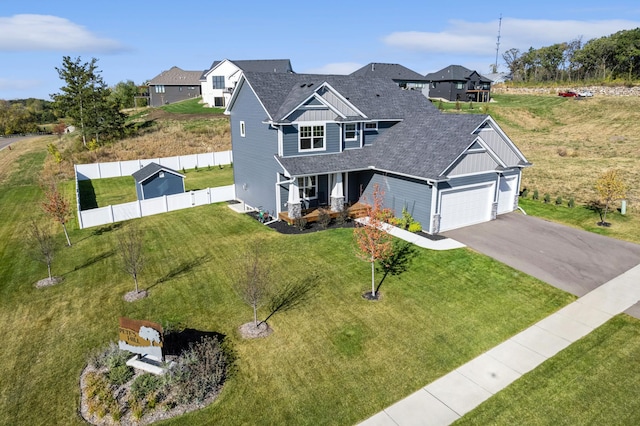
570	259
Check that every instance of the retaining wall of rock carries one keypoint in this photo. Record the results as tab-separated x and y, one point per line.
596	90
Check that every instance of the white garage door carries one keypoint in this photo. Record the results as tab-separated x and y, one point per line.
467	206
506	194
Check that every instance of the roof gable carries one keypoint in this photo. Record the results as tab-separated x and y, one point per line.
176	77
150	170
396	72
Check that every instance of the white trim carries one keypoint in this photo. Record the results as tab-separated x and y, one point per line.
434	204
364	127
243	129
280	140
312	124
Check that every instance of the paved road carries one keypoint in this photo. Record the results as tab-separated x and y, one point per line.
5	142
570	259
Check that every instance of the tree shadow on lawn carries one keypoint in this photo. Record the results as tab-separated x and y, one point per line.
94	259
399	262
182	269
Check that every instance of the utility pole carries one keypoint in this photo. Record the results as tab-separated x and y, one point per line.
495	66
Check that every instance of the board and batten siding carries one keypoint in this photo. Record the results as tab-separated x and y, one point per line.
473	162
290	140
254	166
338	103
498	145
402	192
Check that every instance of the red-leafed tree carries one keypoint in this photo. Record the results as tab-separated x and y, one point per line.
373	242
56	206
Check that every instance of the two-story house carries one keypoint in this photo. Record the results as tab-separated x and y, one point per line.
173	85
301	141
217	83
457	83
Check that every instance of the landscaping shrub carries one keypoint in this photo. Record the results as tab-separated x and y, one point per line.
547	198
525	193
324	218
120	374
200	371
415	227
536	195
572	203
559	201
343	216
110	357
144	385
300	223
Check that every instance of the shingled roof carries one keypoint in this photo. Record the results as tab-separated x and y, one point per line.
256	65
151	169
453	73
176	77
395	72
423	144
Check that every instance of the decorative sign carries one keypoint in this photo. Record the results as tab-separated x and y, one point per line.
140	337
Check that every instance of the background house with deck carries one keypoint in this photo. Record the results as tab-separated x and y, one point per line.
301	141
217	83
173	85
401	75
457	83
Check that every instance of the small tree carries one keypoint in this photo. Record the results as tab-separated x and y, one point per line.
56	206
130	247
252	279
610	188
372	241
42	245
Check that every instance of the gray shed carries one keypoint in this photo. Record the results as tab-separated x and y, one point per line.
154	180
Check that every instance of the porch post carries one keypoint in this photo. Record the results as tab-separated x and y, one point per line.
294	206
337	193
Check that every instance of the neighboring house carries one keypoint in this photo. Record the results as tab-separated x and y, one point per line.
174	85
498	77
217	83
154	180
457	83
301	141
402	76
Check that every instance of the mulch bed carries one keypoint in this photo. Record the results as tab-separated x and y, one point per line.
284	228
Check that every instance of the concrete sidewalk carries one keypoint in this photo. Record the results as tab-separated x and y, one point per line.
431	244
455	394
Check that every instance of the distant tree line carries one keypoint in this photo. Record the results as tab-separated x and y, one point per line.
613	57
24	115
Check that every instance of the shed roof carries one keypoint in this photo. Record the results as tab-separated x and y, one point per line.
150	170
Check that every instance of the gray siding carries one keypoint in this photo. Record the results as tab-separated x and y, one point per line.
473	162
357	182
332	99
401	192
315	114
253	156
498	145
468	180
172	94
157	186
290	140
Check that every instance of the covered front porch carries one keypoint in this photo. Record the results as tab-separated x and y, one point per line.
311	215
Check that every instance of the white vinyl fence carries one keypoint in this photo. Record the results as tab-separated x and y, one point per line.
167	203
127	168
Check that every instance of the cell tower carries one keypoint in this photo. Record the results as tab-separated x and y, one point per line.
495	66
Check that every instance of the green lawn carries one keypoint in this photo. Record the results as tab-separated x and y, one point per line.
337	359
594	381
104	192
192	106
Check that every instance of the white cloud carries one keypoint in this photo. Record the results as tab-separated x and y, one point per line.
51	33
479	38
335	68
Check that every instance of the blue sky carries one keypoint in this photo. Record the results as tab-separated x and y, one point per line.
138	39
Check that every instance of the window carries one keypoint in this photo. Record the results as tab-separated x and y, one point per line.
371	126
311	138
218	102
218	81
308	187
459	86
350	132
242	129
160	89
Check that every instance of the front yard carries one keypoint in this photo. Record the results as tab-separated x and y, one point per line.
337	359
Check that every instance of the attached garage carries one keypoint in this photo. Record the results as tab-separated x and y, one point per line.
507	193
466	206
